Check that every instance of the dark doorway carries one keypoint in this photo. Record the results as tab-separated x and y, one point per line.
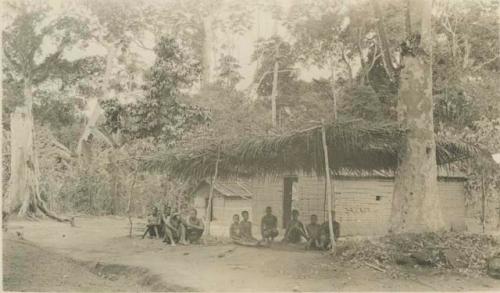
287	198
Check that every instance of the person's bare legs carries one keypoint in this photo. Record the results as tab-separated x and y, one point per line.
147	231
169	236
183	235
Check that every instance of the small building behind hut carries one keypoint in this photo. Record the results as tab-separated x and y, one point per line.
229	198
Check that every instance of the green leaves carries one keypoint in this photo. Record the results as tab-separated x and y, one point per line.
158	114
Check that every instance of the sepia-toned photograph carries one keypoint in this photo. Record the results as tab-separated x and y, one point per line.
250	145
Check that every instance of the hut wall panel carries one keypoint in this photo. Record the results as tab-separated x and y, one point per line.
199	199
218	208
453	204
233	206
362	206
266	192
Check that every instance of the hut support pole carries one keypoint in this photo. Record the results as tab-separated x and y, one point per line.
483	202
329	188
211	193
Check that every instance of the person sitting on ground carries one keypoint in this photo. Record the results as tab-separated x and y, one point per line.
314	232
173	230
153	224
295	229
234	229
269	226
194	228
246	230
167	211
325	241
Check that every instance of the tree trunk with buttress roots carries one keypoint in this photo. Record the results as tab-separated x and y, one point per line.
416	204
23	193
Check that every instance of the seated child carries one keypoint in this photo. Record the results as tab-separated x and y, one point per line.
269	226
245	226
167	211
153	224
234	229
173	230
295	229
325	241
314	232
194	228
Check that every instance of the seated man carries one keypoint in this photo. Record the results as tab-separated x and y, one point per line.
269	226
234	230
173	230
314	232
167	211
325	241
194	228
153	224
295	229
246	230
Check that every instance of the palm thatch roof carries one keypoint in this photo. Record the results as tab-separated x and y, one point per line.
353	146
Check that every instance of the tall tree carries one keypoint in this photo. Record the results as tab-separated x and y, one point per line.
317	28
23	44
416	205
276	70
114	26
199	23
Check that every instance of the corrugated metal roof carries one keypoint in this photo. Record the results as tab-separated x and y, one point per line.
231	188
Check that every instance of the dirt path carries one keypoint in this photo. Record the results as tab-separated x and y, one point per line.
28	267
227	267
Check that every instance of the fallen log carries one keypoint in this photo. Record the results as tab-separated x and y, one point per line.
375	267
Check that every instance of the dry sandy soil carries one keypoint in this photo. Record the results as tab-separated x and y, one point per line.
97	255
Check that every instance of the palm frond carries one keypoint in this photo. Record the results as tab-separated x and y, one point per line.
353	146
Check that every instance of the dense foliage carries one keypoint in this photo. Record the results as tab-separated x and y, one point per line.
151	106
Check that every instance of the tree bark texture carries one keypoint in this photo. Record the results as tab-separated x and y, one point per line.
21	155
329	188
416	205
211	193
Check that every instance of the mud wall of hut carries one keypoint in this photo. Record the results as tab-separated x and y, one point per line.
362	205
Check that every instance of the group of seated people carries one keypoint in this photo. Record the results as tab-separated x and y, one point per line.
186	228
317	236
173	227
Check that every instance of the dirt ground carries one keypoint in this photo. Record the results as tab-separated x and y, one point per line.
98	255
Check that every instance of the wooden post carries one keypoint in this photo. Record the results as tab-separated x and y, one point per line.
274	93
211	193
328	187
483	202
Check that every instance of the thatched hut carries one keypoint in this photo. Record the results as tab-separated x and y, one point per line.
286	170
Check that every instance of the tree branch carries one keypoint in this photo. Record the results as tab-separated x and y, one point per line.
383	42
477	67
140	44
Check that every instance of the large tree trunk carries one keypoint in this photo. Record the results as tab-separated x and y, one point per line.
24	188
415	206
18	193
